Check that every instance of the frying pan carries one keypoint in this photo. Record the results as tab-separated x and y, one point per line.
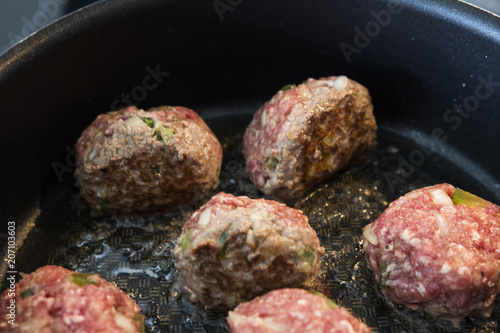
431	68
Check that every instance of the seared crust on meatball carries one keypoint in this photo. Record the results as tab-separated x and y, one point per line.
434	251
306	133
293	311
235	248
56	300
134	161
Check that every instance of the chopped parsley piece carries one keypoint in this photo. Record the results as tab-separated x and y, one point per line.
164	134
307	255
331	304
186	241
223	240
150	122
161	108
81	279
288	87
155	170
27	293
384	275
271	162
101	202
463	197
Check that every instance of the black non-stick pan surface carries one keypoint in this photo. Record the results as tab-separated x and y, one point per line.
431	67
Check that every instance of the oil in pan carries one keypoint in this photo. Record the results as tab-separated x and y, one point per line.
136	253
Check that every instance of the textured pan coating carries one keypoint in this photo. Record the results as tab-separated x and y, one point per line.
434	255
56	300
306	133
235	248
136	161
293	311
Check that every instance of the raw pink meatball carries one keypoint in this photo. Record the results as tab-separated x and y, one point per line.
437	249
56	300
293	311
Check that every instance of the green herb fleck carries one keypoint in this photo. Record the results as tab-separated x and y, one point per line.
150	122
161	108
81	279
382	267
271	162
266	252
164	134
315	292
186	241
384	276
331	304
463	197
223	240
101	202
288	87
155	170
307	255
27	293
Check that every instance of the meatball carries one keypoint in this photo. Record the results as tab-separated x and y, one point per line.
54	299
235	248
134	161
436	249
293	311
306	133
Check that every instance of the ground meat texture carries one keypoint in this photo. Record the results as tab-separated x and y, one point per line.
56	300
436	253
293	311
235	248
135	161
306	133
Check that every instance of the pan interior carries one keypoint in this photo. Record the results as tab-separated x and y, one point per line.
136	253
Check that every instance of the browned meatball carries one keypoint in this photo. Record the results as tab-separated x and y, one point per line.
136	161
306	133
235	248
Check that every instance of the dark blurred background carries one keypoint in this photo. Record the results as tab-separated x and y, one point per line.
20	18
